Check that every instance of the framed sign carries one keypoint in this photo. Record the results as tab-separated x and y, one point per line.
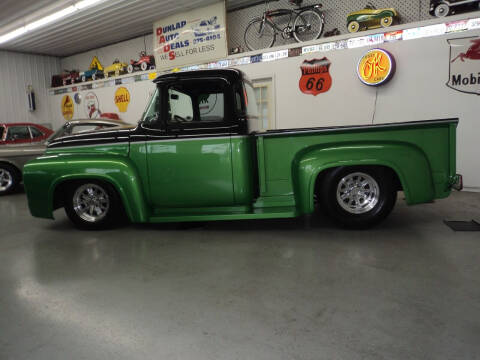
196	36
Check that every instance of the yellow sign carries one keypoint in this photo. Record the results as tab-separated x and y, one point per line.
122	99
95	64
67	107
152	76
376	67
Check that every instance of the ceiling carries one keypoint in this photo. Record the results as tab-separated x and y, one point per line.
106	23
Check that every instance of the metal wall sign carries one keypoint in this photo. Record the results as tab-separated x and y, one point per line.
67	107
316	78
191	37
464	74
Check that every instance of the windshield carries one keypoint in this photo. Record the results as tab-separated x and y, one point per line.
152	109
57	133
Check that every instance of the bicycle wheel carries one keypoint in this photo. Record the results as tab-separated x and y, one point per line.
259	35
308	25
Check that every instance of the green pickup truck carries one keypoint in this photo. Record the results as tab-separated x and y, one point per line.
197	155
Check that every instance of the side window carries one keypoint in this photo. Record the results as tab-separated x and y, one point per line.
18	133
196	102
211	106
35	132
180	106
2	130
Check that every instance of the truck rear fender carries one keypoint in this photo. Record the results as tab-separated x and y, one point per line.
120	173
407	161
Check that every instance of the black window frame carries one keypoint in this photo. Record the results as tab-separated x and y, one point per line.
197	126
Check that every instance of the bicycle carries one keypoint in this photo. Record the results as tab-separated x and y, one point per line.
308	24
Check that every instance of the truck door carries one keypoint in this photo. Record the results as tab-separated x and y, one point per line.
192	166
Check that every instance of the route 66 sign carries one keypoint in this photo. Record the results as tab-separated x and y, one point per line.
316	78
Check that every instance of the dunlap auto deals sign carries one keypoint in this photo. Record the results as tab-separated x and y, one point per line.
191	38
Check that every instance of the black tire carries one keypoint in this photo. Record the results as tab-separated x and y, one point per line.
333	187
257	38
111	217
10	178
313	21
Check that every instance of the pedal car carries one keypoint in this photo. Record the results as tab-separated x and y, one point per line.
92	74
69	76
116	68
144	63
441	8
370	18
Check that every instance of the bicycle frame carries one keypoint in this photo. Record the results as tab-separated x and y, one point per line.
292	13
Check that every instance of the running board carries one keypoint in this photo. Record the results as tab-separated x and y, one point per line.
264	213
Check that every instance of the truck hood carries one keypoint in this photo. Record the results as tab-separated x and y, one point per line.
117	134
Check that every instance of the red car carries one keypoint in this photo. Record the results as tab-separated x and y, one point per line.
23	133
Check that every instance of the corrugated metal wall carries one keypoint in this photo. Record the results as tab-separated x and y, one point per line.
17	71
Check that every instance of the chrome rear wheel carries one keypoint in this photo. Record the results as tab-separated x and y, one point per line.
358	193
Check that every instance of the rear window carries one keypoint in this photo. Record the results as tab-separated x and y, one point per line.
35	132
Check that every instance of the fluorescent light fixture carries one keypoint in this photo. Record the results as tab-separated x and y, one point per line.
13	34
47	20
85	3
50	18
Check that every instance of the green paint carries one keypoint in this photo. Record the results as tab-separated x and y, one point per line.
215	178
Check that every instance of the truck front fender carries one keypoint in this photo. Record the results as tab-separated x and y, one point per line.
406	160
44	175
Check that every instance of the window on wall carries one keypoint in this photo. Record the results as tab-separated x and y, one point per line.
265	103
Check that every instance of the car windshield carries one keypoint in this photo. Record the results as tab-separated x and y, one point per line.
152	109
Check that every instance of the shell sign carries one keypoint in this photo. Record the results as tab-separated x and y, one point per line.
67	107
376	67
122	99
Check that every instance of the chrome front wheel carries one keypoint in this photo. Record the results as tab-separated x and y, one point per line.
6	180
91	203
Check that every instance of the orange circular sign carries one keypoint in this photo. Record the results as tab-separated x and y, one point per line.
122	99
376	67
67	107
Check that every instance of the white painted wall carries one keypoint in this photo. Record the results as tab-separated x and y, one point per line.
124	51
417	92
17	71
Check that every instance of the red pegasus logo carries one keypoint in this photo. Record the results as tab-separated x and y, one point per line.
473	52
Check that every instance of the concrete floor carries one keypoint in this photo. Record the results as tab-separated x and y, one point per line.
287	289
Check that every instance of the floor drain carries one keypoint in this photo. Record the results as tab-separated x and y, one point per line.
463	225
